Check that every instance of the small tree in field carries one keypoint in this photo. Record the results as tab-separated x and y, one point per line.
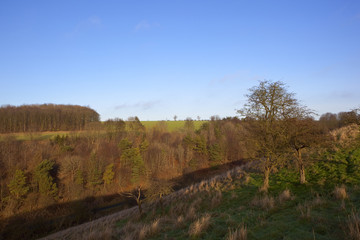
268	106
137	195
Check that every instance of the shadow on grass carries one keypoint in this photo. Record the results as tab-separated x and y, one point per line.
42	222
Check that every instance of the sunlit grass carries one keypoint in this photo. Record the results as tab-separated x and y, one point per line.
242	212
172	125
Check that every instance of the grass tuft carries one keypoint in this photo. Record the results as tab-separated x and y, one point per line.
285	196
238	234
305	211
265	202
200	225
340	193
216	199
354	226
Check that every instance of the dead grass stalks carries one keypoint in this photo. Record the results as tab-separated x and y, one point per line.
179	222
340	193
265	202
354	226
200	225
317	201
285	196
305	211
238	234
216	199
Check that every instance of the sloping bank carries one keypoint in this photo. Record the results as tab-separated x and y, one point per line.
103	226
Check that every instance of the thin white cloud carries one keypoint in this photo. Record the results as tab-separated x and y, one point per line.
142	105
93	22
145	25
348	95
142	25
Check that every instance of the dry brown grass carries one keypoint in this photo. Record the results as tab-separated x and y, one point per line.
106	232
179	222
285	196
191	213
238	234
247	179
353	225
340	193
155	227
177	209
133	230
144	230
317	201
265	202
305	210
216	199
200	225
344	135
229	176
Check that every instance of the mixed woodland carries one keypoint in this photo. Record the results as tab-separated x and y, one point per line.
94	159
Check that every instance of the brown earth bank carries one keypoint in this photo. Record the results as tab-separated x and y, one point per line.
41	222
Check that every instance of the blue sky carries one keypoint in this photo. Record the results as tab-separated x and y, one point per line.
157	59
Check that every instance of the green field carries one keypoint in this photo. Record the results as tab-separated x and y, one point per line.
171	126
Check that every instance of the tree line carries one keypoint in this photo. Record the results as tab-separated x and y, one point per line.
46	117
336	120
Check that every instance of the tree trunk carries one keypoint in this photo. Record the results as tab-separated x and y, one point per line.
140	208
302	174
266	179
301	167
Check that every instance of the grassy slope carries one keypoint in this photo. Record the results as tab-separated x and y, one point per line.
211	209
309	213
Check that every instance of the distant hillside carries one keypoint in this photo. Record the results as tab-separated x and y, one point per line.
46	117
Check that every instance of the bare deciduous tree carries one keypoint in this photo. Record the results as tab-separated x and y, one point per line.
268	105
137	196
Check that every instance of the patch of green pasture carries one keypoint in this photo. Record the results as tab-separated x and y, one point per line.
288	219
172	125
32	135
